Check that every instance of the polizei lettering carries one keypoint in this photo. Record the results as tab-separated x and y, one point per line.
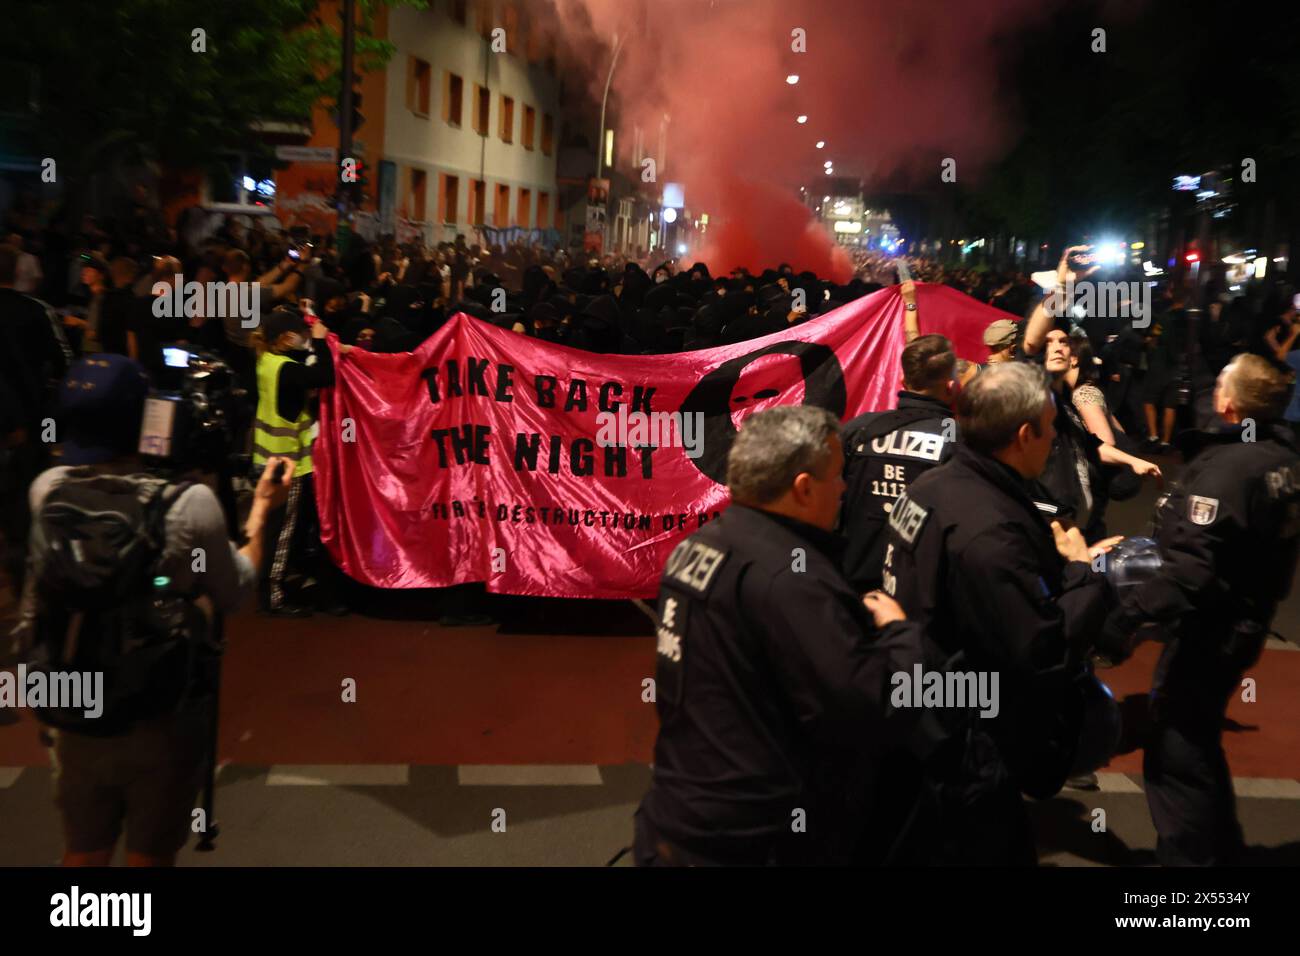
909	444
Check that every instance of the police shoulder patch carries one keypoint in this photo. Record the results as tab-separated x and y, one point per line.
907	518
1201	510
694	565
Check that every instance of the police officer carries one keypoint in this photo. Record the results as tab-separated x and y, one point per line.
773	680
1228	536
972	559
885	450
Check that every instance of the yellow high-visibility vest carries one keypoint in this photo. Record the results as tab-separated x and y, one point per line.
272	434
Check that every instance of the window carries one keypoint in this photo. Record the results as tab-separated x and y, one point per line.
548	133
530	120
482	104
242	181
459	10
418	76
447	198
501	208
477	200
525	218
543	210
418	180
507	119
453	95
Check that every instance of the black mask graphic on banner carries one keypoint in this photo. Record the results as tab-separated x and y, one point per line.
823	381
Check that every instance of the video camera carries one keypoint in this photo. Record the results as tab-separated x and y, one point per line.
191	420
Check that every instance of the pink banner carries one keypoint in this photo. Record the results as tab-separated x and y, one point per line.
539	469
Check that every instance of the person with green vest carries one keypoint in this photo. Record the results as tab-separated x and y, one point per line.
292	360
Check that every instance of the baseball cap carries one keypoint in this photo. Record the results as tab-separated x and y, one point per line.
1000	334
101	401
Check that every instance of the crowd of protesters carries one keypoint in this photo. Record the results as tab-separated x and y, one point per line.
91	290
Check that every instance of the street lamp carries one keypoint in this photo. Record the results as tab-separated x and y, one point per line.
600	143
821	143
792	79
801	119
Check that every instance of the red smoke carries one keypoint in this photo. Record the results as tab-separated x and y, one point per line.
765	225
892	89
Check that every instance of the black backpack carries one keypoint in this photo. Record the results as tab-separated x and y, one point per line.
101	606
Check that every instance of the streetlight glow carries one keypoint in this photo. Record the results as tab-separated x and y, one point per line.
792	79
801	119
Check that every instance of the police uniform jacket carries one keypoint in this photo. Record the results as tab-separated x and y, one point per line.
971	558
773	692
1228	533
883	451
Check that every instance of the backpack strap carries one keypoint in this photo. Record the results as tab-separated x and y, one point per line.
158	496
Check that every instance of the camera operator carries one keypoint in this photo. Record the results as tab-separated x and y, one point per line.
772	679
1229	534
284	427
972	560
145	773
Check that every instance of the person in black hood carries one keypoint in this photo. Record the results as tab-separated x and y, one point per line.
706	328
659	297
537	286
635	286
595	282
648	334
598	327
545	322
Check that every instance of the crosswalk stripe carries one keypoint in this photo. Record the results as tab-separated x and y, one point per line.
1267	788
529	775
339	775
1117	783
1274	788
8	775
